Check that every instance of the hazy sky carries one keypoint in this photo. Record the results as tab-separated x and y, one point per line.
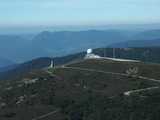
78	12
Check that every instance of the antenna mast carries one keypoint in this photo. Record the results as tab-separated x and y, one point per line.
52	64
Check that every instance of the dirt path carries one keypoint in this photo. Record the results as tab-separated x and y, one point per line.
101	71
139	90
46	115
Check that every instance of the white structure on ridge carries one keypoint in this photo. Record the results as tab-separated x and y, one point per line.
52	64
89	51
90	55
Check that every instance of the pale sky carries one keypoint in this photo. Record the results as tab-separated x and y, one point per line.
78	12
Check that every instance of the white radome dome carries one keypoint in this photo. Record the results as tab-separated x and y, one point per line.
89	51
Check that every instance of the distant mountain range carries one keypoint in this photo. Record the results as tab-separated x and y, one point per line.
19	48
14	47
137	43
5	62
149	38
147	35
8	67
66	42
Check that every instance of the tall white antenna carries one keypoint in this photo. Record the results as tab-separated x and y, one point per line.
52	63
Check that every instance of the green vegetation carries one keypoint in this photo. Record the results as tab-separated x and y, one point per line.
144	69
82	95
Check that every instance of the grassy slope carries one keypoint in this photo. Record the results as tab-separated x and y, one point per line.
145	69
76	92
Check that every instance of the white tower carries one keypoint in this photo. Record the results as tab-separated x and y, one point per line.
52	64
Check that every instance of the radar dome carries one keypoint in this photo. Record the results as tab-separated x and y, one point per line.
89	51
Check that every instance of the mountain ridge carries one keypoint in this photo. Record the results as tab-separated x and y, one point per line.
60	43
137	43
5	62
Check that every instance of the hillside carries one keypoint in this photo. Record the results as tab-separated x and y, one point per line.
144	69
83	90
150	55
36	64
